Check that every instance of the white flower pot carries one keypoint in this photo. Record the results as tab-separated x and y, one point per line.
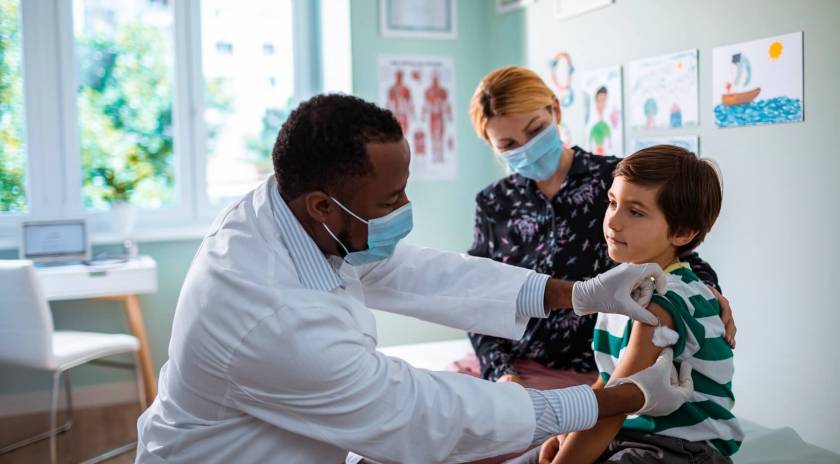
122	218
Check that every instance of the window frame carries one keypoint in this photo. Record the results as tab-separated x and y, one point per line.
53	169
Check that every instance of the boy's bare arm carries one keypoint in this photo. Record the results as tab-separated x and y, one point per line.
587	446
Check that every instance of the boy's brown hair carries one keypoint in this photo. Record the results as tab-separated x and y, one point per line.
689	188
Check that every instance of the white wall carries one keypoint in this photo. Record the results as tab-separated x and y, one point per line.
775	244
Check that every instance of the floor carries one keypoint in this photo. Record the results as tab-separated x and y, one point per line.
94	431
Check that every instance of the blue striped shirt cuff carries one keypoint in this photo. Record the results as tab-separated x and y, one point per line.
531	299
563	411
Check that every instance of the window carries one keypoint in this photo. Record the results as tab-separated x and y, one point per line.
124	56
12	148
171	106
242	114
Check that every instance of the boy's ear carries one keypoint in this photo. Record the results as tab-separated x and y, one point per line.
682	238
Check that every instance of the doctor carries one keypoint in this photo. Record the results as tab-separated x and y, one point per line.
273	350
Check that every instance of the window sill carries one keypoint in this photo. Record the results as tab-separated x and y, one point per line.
147	234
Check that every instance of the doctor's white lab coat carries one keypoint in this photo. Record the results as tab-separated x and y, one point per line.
272	355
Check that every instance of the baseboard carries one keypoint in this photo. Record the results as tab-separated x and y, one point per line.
19	404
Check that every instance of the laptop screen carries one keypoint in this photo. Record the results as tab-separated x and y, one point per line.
54	239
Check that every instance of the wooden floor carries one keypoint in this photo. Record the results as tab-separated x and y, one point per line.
94	431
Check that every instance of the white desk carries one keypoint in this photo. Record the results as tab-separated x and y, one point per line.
116	282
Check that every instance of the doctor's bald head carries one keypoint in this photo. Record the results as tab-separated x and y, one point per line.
323	143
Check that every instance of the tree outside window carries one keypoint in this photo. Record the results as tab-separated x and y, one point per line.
12	148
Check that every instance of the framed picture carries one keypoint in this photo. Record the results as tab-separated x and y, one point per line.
506	6
568	8
425	19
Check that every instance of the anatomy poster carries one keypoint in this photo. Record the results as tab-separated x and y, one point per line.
663	91
419	91
758	82
603	115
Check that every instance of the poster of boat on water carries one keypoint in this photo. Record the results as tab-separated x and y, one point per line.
758	82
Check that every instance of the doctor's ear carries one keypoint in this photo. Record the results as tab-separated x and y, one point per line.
318	205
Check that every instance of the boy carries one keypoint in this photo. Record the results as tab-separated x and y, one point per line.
662	203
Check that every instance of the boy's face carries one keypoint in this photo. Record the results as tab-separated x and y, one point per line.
635	227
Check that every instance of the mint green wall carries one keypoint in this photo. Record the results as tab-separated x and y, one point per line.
443	210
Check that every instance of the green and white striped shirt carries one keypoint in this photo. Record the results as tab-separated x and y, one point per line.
707	415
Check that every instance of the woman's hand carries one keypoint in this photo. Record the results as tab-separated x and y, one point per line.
726	317
511	378
550	449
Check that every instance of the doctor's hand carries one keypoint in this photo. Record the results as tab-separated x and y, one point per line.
626	289
664	390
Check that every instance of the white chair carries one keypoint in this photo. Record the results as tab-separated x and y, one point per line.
27	339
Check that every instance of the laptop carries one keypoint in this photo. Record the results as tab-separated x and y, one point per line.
54	242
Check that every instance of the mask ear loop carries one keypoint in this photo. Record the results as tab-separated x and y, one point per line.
348	210
346	251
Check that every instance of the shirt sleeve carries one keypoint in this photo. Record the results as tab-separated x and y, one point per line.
564	410
328	383
531	299
456	290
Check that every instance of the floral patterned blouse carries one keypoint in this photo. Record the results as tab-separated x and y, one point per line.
562	237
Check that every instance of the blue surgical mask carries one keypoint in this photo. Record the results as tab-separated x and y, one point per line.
383	235
539	158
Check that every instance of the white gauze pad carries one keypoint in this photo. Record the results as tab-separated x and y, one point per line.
663	336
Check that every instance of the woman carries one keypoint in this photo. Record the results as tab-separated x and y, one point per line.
546	216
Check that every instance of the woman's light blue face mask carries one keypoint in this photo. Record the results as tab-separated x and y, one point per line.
539	158
383	235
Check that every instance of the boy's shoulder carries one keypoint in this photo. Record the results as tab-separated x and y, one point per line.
687	295
683	281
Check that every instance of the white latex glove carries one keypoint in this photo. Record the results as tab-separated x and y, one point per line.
664	391
625	289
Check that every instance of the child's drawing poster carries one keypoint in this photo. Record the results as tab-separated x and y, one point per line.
561	72
568	8
758	82
689	142
663	91
603	111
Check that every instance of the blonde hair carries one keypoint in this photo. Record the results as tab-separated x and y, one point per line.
508	90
